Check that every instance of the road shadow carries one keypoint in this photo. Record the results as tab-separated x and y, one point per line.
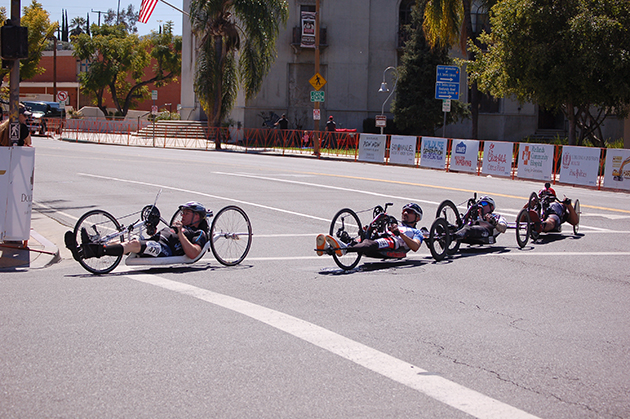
156	270
376	265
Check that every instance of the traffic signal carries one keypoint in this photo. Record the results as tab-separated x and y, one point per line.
14	42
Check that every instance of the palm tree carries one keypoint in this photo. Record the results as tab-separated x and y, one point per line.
236	46
447	22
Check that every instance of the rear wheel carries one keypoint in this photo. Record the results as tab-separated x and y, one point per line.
346	227
98	224
448	211
230	235
576	207
523	227
439	239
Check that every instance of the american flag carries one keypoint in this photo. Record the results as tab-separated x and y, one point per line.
146	9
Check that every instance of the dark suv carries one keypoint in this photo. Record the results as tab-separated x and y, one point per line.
46	115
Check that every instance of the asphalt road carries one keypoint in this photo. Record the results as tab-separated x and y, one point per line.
493	332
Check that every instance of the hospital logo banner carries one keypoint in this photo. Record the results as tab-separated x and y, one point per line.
464	155
372	148
497	158
308	30
535	161
402	150
433	152
579	165
617	173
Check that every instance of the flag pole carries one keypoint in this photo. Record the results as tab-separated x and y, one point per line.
179	10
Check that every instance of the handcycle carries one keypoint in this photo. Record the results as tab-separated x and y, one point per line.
346	227
229	237
448	220
538	210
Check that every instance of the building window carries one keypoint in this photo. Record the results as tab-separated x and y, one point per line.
487	103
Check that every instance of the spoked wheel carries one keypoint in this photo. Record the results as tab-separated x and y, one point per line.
523	227
448	211
98	224
230	235
346	227
576	207
439	239
534	202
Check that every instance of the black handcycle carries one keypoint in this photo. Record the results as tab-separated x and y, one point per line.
538	210
229	237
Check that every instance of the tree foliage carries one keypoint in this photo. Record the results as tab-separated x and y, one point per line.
36	19
236	46
119	63
127	17
415	109
572	56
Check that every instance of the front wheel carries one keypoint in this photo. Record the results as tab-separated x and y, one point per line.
230	236
576	207
523	227
448	210
439	239
98	225
346	227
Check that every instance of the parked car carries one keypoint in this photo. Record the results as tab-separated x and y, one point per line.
46	116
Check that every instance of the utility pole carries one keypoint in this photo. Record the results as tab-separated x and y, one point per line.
99	15
317	134
14	82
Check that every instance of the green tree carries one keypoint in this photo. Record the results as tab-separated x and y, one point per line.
36	19
572	55
78	25
127	17
119	62
415	109
236	46
449	22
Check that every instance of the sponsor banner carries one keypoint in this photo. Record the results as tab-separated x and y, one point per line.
580	165
17	165
433	152
617	172
372	148
497	158
464	155
308	30
402	150
535	161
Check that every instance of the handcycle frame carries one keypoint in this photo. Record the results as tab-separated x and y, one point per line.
346	226
537	204
225	237
449	220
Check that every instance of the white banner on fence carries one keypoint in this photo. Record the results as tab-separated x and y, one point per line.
372	148
433	152
17	203
402	150
497	158
464	155
617	173
535	161
580	165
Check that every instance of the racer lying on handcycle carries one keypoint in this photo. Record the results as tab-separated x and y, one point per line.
552	211
187	237
395	241
484	223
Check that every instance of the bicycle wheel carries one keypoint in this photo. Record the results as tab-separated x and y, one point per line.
534	202
176	217
576	207
230	236
523	227
346	227
448	211
439	239
98	224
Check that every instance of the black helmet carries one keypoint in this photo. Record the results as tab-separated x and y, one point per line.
415	208
194	206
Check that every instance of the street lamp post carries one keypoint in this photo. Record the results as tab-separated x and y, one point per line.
384	88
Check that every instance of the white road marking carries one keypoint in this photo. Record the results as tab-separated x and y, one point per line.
432	385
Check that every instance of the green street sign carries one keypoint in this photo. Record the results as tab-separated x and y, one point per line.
317	96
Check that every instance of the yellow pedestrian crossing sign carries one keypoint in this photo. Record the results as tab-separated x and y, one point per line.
317	81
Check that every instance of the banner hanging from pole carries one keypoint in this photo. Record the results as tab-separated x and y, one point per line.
308	30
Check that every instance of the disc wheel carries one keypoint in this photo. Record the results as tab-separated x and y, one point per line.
576	207
448	211
346	227
439	239
98	224
230	235
523	227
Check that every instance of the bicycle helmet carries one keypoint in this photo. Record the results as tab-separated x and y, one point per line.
415	208
486	201
548	190
194	206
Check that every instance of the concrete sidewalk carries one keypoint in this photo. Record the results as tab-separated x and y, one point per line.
43	246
